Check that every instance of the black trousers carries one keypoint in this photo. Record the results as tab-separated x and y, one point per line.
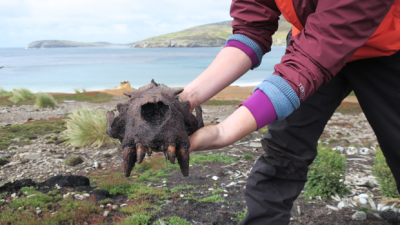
278	176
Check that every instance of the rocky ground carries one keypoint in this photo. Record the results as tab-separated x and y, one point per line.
348	133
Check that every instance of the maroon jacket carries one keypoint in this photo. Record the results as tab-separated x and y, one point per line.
333	31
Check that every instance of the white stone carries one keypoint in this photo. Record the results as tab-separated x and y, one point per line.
39	212
14	195
363	201
372	203
123	205
182	195
225	195
114	207
364	151
359	215
215	178
231	184
105	214
211	189
332	207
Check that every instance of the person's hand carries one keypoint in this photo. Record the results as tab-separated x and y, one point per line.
235	127
230	64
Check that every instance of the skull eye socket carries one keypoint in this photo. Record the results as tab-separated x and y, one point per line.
155	113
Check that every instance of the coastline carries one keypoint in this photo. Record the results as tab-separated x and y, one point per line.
229	93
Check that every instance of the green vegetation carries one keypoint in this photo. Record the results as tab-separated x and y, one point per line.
222	102
136	220
84	90
264	130
4	93
241	215
248	156
87	127
172	221
214	34
76	90
94	97
195	159
217	191
179	188
325	175
384	176
21	94
9	135
213	198
44	100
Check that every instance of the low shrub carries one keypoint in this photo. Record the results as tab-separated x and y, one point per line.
87	127
248	156
21	94
326	174
385	177
44	100
76	91
241	215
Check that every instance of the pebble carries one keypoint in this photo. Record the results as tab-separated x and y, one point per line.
105	214
215	178
182	195
114	207
123	205
359	215
38	212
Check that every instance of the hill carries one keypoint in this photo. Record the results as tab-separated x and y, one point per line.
209	35
68	44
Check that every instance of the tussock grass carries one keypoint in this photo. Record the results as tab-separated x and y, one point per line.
76	91
44	100
4	93
21	94
385	177
87	127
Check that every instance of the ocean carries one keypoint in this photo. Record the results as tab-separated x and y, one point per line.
63	69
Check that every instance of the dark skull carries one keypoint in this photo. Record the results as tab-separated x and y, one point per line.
154	119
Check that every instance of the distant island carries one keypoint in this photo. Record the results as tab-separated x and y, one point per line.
209	35
70	44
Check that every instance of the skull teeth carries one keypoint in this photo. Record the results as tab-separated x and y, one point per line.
140	153
171	154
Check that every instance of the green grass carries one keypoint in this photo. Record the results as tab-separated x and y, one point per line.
213	198
248	156
44	100
24	131
326	174
94	97
76	90
195	159
222	102
21	94
240	215
172	221
264	130
184	187
87	127
384	176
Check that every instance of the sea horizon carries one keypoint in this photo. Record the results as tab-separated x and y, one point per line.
61	70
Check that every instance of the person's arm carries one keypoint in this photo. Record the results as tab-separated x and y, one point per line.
255	21
236	126
230	64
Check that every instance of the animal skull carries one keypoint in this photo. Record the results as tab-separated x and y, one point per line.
154	119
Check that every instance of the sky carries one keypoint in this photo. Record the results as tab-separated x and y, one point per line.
115	21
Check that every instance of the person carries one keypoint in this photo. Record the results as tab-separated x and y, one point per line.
335	47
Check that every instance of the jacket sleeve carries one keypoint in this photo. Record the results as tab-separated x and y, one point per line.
256	20
331	36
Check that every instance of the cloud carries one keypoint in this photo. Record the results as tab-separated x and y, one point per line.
118	21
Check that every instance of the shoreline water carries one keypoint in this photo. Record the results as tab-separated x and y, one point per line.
62	70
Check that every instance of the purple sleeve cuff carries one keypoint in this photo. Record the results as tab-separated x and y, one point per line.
261	108
246	49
